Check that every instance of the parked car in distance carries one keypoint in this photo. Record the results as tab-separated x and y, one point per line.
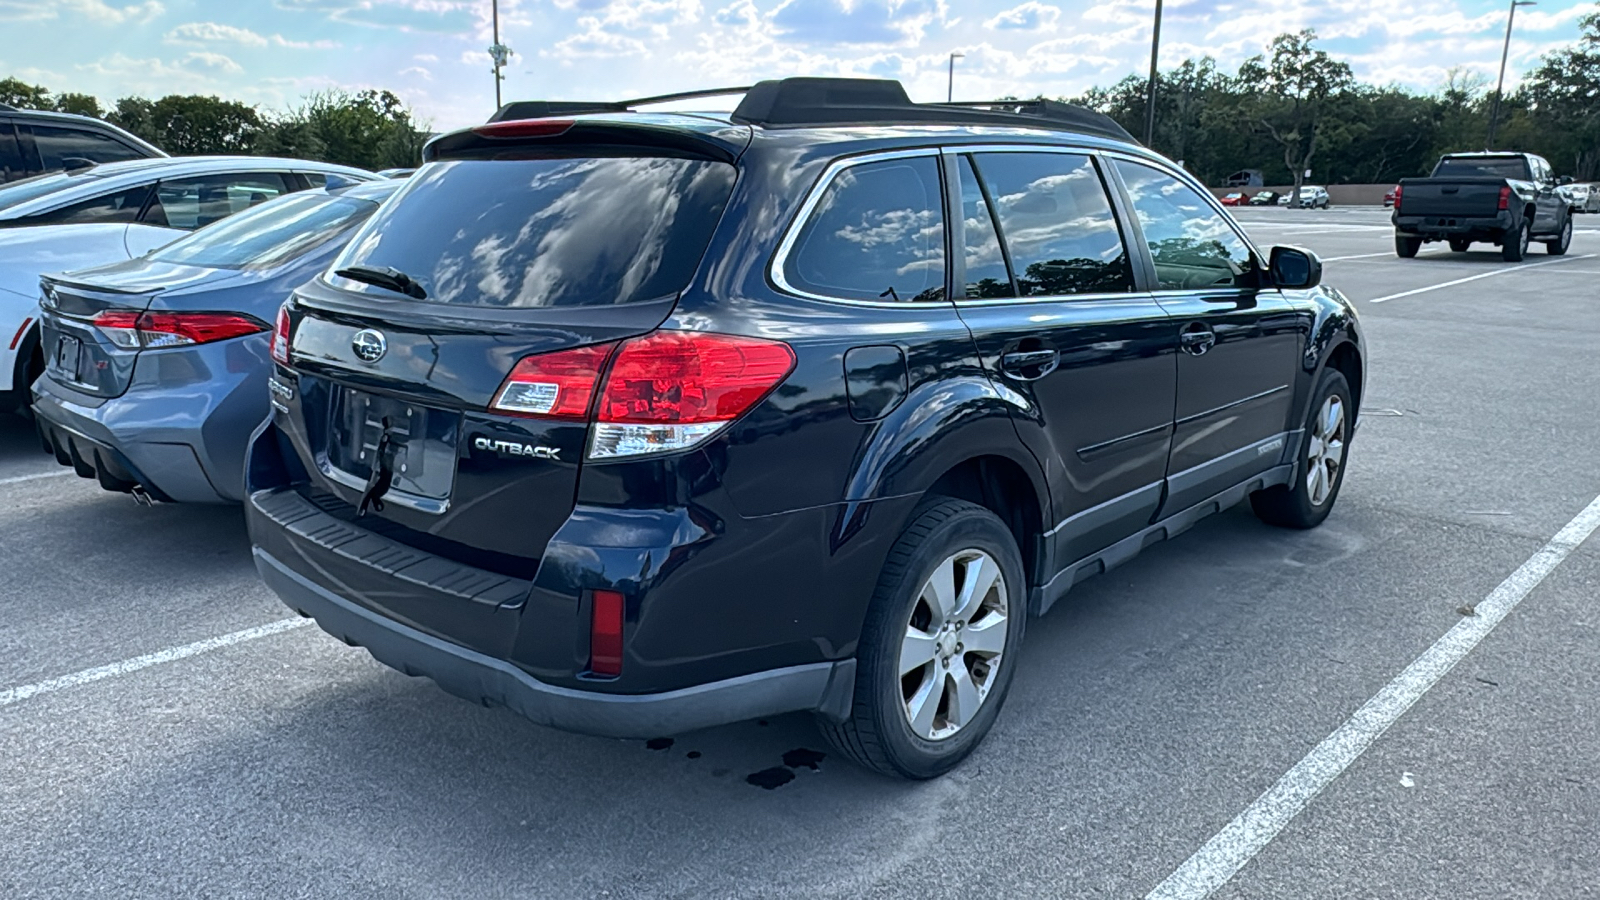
157	366
1234	198
33	142
1508	199
1264	198
114	212
551	461
1584	198
1311	197
1390	196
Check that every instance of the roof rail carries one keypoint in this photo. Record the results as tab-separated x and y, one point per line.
801	102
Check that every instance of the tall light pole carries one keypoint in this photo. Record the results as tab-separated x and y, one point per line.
950	92
1499	87
1150	97
498	53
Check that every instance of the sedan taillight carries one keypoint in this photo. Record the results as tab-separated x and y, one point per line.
132	330
280	336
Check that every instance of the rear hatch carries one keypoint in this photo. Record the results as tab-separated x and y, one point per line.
518	258
1475	197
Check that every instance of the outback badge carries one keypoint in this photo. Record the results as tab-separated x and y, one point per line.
512	448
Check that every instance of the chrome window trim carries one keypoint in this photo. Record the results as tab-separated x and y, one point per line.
781	258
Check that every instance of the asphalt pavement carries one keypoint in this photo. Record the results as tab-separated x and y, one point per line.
166	729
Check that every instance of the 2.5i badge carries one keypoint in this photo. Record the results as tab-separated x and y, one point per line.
513	448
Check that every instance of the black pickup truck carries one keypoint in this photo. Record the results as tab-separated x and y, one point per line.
1508	199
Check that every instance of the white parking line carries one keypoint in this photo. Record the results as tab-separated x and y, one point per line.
1370	255
171	654
1214	864
1489	274
18	479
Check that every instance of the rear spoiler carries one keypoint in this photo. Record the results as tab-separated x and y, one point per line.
716	141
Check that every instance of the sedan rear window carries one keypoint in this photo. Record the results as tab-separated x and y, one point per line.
1513	167
556	231
269	235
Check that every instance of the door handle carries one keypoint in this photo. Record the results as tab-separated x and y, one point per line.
1029	364
1197	339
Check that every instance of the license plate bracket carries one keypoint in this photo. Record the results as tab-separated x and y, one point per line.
69	351
420	449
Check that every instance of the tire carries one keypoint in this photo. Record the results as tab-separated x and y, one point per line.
1514	247
1308	497
1460	245
1558	247
1406	247
879	733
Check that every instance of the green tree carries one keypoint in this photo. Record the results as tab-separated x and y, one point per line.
1563	99
15	92
78	104
1288	95
190	124
369	129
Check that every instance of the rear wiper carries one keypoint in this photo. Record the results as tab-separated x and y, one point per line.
385	277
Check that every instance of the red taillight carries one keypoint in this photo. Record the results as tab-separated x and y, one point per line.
524	128
1397	194
280	336
669	390
556	385
151	331
1505	197
605	633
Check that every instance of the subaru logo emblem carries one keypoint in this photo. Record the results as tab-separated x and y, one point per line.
369	345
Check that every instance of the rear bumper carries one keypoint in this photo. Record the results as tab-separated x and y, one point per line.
495	682
1436	227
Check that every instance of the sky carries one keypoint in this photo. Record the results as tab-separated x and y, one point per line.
432	53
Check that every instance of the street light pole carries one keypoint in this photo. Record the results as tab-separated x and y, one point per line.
950	92
1499	87
1150	97
498	53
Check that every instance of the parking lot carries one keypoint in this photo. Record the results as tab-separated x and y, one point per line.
168	730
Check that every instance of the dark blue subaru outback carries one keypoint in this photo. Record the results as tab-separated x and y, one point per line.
640	423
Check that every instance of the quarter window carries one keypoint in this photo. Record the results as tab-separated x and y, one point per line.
119	208
876	234
1193	246
1058	224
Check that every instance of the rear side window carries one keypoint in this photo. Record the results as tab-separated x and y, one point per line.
60	147
1058	224
548	231
877	233
11	167
119	208
190	203
271	235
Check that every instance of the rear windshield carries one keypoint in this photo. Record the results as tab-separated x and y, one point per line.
1485	166
548	231
269	235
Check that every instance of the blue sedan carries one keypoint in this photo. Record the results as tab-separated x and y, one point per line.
156	369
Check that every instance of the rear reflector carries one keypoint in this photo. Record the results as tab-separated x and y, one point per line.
132	330
280	336
605	633
524	128
670	390
17	338
557	385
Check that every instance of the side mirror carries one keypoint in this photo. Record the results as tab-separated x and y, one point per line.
1564	180
1295	269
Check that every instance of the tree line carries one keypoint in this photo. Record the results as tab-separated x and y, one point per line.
369	129
1296	108
1290	109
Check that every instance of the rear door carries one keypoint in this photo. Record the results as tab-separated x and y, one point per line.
1239	342
551	257
1052	299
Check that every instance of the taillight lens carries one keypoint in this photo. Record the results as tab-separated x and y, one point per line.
524	128
670	390
152	331
605	633
280	336
1505	198
557	385
1397	195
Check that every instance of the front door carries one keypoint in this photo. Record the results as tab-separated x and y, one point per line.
1046	284
1239	343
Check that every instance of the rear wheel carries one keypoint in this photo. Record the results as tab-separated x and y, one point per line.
1558	247
1514	246
1460	245
939	644
1406	247
1308	497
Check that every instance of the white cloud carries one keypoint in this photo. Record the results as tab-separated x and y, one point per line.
97	12
1030	16
418	71
209	34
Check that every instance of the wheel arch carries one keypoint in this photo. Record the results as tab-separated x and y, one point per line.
1001	485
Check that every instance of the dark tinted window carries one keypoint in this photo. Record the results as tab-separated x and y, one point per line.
271	235
986	277
1193	245
1058	223
556	231
1484	167
59	146
190	203
123	207
11	167
877	233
